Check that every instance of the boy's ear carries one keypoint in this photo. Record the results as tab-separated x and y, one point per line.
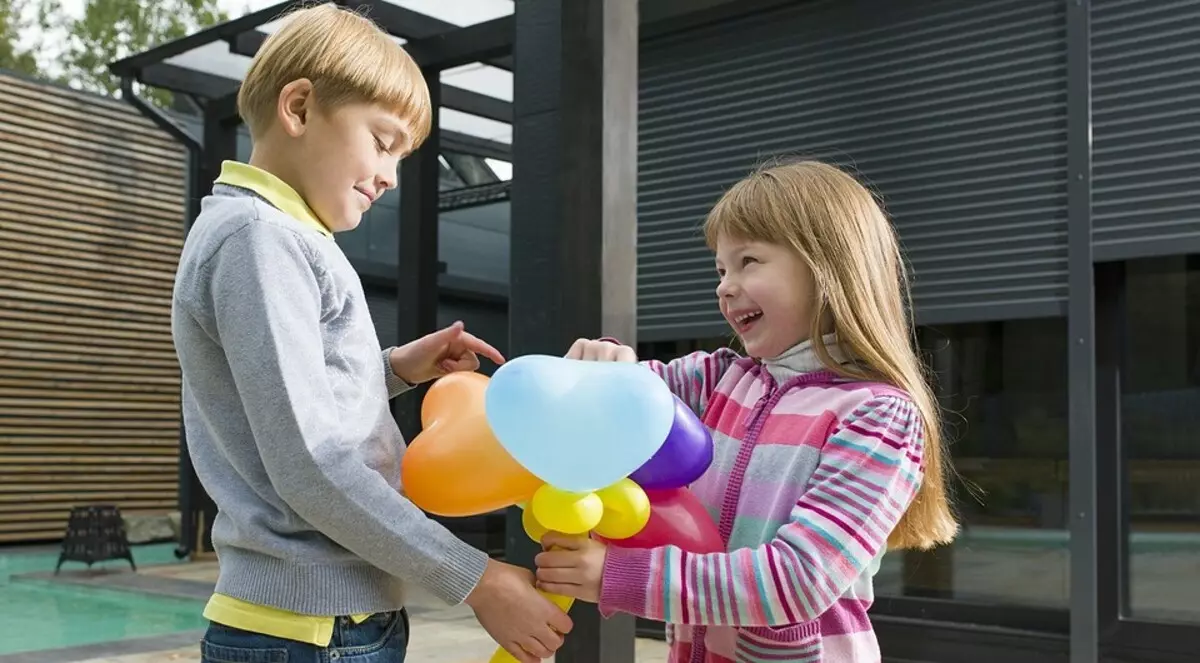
295	102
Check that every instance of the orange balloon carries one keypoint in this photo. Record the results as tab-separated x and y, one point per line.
455	466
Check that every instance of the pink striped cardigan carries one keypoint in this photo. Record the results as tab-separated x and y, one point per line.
810	474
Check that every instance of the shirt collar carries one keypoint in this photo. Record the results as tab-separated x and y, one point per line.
802	358
273	190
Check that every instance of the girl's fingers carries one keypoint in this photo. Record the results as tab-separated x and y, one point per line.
555	559
576	351
558	576
565	541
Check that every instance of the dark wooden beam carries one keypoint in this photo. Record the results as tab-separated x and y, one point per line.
198	509
417	275
224	106
187	81
480	147
468	101
473	43
574	233
410	25
167	124
133	64
398	20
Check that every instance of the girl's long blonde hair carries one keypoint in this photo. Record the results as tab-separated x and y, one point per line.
862	294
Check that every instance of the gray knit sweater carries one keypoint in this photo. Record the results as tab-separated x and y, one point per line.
285	403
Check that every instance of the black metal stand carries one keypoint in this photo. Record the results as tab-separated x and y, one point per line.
94	534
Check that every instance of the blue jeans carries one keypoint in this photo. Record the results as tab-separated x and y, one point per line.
381	639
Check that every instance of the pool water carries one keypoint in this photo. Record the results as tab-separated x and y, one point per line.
38	614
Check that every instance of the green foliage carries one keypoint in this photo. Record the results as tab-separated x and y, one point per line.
81	47
15	21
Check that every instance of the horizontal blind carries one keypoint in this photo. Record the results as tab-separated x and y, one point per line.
91	209
954	112
1145	127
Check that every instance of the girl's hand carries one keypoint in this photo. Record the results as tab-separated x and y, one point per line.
589	350
440	353
571	566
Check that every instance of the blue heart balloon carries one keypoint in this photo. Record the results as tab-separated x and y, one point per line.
578	425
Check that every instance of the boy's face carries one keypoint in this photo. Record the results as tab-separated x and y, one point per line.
345	158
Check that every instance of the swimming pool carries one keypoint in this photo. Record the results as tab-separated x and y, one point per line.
39	614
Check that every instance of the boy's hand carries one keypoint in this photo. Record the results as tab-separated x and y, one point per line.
440	353
571	566
519	619
589	350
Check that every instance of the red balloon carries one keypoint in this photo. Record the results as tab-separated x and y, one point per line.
676	519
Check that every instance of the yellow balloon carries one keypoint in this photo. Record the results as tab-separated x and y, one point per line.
563	602
626	510
533	528
569	513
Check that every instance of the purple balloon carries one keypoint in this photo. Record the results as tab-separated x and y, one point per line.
683	457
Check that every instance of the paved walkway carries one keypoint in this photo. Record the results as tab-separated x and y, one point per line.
441	634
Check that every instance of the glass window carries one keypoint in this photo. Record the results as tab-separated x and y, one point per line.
1003	390
1160	413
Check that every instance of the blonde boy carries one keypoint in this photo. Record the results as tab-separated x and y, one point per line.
286	388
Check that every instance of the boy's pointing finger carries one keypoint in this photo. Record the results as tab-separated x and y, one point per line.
479	346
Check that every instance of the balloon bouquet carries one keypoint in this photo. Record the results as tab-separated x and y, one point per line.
584	447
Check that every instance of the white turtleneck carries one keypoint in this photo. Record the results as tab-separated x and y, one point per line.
802	358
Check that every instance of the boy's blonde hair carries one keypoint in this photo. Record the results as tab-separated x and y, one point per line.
347	57
862	293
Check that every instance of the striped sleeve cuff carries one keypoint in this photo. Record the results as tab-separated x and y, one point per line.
625	581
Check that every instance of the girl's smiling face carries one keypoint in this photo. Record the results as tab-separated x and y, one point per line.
766	294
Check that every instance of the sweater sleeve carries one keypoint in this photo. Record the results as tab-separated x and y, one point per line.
868	473
266	296
395	384
693	377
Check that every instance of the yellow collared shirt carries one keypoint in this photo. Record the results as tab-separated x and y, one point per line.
236	613
273	190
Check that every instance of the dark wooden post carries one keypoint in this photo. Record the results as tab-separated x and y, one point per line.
417	271
574	230
197	509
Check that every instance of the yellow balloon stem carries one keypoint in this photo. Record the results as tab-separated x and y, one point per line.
563	602
533	528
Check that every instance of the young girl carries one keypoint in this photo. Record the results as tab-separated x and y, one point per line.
827	446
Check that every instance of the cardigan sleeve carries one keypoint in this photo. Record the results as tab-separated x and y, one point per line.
869	471
693	377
